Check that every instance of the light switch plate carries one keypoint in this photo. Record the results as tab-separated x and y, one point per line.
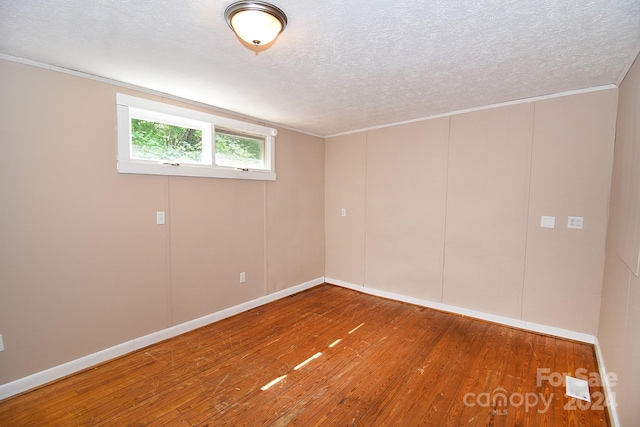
1	344
548	222
159	218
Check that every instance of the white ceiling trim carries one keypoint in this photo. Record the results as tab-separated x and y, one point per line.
148	91
281	126
627	67
484	107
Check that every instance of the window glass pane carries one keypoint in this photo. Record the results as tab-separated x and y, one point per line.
152	135
164	142
240	151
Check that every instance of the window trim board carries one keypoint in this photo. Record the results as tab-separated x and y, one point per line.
126	164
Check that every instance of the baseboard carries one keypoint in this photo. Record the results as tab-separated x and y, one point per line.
60	371
610	395
52	374
508	321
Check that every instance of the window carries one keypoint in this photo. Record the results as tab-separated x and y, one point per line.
168	139
161	139
237	150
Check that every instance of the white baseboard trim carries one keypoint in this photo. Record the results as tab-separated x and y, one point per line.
610	395
52	374
508	321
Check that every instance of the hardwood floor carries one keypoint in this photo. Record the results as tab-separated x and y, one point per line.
327	356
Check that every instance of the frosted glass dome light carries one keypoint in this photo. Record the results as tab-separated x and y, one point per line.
257	23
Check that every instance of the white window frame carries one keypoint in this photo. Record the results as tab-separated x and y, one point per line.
133	107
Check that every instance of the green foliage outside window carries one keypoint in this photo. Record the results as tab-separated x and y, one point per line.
160	141
236	150
169	143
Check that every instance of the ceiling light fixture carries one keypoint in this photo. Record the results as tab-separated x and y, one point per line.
256	22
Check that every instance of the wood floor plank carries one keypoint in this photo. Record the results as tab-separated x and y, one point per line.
341	358
374	383
539	415
281	361
308	388
440	374
468	405
487	374
522	385
547	362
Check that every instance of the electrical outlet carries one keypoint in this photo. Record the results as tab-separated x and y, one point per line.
1	343
343	212
575	222
243	277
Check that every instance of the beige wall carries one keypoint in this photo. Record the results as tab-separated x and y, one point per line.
295	212
619	331
487	203
345	179
448	210
570	176
83	266
405	208
400	249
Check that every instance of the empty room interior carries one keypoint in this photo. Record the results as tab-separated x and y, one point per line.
372	213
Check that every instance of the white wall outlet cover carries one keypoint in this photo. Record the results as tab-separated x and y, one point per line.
1	344
343	212
243	277
159	218
575	222
548	222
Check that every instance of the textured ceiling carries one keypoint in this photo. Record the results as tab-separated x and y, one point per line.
339	65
